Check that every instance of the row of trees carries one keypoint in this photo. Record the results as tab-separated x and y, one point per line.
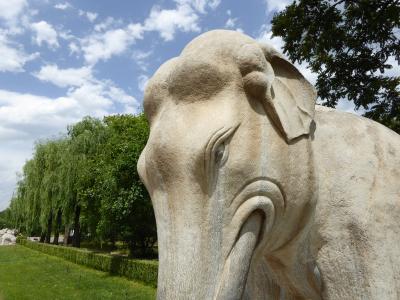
87	182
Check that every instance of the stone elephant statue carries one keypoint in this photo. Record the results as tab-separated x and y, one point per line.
259	193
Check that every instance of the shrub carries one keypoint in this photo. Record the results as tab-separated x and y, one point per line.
142	270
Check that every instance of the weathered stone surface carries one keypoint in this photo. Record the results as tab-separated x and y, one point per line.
7	236
260	194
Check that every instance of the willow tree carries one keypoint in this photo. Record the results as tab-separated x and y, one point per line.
51	190
41	190
26	206
18	213
27	196
85	141
37	195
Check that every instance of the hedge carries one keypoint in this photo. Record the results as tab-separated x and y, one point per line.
142	270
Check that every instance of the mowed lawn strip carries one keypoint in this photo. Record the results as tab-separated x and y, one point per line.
29	274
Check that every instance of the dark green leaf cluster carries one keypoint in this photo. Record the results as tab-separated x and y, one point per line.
350	45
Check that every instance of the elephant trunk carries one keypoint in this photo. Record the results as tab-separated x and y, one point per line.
234	276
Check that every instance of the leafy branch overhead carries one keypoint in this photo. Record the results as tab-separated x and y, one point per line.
352	46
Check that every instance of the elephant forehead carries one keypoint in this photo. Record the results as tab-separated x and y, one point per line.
199	80
189	80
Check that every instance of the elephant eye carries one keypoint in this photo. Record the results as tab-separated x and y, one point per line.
216	153
221	155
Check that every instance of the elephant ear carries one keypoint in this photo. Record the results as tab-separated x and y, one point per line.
290	98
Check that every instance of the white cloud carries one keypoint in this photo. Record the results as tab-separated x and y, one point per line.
265	36
13	57
130	104
106	24
89	92
29	113
277	5
73	48
200	5
66	35
64	77
45	33
168	21
63	6
101	46
230	23
111	38
15	15
141	58
214	3
307	73
11	9
91	98
91	16
142	82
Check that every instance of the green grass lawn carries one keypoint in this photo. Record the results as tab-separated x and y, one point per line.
28	274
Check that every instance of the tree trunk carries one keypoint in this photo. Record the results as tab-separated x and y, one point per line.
42	237
58	226
143	247
112	240
132	248
66	234
77	234
49	226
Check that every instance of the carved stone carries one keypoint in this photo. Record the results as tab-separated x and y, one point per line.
257	192
7	236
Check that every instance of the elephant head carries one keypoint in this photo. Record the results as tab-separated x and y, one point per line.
229	168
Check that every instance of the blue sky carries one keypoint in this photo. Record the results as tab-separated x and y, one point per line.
62	60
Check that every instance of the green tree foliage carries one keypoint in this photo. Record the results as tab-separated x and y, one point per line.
125	203
349	44
5	219
87	181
